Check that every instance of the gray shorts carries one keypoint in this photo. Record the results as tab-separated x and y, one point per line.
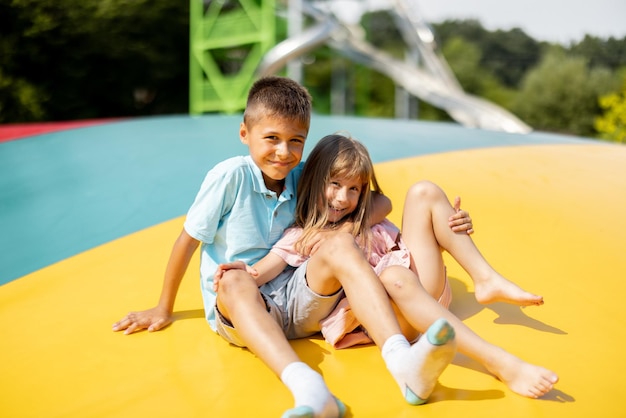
291	303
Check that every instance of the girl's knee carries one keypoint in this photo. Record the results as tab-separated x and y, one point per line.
395	277
424	188
425	191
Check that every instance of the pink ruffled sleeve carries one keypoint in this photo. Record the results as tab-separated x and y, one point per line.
285	247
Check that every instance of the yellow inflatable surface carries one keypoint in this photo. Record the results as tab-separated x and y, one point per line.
549	217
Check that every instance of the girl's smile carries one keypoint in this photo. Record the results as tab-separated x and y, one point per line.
342	195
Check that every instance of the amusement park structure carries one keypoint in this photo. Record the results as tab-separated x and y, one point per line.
246	31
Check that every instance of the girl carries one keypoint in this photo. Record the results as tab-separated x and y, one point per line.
334	195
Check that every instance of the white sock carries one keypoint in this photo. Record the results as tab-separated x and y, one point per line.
416	368
312	397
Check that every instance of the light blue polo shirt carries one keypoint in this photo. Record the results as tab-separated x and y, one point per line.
236	217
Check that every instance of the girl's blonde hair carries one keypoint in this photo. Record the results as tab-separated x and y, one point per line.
335	155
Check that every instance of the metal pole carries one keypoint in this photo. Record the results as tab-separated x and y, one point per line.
294	29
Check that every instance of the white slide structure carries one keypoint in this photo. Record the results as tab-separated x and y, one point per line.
432	81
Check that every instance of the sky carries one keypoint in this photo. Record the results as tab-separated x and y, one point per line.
558	21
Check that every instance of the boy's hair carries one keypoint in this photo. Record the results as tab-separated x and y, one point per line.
334	156
278	97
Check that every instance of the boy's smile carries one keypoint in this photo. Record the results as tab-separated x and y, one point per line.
276	146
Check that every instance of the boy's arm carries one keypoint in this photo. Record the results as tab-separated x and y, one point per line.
461	220
161	315
381	207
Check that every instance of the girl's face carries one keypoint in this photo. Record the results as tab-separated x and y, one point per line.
342	195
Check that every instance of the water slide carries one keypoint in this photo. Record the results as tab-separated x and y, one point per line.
432	82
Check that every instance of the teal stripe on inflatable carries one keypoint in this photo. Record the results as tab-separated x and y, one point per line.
66	192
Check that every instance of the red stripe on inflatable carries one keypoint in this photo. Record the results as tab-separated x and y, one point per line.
22	130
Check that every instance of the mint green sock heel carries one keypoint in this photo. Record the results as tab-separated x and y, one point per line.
440	332
341	407
299	412
307	412
412	398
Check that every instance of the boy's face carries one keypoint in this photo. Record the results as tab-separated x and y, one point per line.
276	145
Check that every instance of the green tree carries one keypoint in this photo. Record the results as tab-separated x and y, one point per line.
507	55
609	53
93	59
20	100
464	58
382	32
561	94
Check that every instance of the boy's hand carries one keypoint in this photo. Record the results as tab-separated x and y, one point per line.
235	265
461	220
152	319
314	242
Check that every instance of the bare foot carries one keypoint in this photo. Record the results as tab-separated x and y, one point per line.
523	378
498	289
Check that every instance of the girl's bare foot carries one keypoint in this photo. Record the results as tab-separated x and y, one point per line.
523	378
498	289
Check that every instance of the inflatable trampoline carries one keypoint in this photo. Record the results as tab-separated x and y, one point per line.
88	216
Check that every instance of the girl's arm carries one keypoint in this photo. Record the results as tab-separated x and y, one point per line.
262	272
268	268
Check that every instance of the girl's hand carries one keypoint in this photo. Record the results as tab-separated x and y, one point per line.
461	220
235	265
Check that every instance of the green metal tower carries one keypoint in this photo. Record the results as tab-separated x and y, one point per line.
228	40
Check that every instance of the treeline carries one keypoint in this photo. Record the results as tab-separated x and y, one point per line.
80	59
578	89
77	59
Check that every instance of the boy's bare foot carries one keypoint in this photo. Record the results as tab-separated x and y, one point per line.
498	289
523	378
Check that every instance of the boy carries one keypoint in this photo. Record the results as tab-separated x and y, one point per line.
241	210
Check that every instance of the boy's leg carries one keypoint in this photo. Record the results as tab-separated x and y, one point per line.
425	231
339	262
240	302
420	309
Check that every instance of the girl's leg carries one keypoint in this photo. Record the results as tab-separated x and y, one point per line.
240	302
420	310
426	232
338	263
